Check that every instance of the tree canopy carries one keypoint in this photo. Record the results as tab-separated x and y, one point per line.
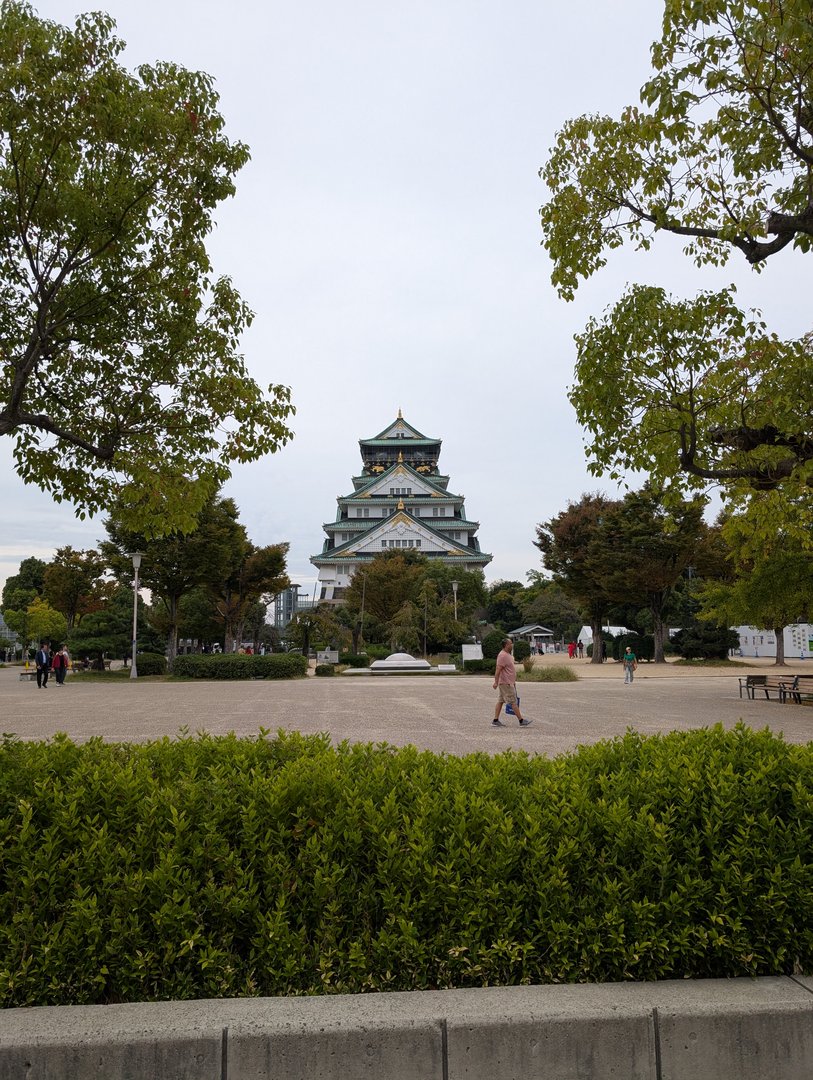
719	150
120	375
694	391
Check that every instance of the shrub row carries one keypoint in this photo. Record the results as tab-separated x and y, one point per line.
238	666
357	660
487	666
219	867
325	670
151	664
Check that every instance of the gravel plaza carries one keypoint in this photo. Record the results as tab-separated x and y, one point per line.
445	714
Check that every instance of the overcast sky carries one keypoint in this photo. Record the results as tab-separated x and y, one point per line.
386	234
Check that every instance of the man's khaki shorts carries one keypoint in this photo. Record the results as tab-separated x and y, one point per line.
508	693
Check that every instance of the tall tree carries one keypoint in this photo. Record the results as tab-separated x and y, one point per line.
647	546
504	604
255	574
719	150
573	550
21	588
175	564
385	583
37	622
549	605
73	583
772	586
120	348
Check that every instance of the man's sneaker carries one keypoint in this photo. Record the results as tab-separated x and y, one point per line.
497	723
525	723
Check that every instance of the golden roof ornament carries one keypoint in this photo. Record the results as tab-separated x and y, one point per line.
400	415
400	457
400	504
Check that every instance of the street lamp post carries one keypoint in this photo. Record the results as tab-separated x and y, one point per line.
454	590
136	556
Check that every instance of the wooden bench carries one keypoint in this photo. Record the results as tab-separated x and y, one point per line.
28	675
770	684
800	687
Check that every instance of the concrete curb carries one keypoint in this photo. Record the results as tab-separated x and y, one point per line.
738	1029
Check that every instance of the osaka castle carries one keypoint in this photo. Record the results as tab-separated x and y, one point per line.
399	500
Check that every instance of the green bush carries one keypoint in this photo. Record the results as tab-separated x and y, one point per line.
608	640
492	644
325	669
377	652
225	867
488	666
357	660
239	666
522	650
151	664
643	645
704	641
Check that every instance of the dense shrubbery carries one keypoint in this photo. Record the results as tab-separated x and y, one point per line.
377	652
218	867
704	641
487	666
151	664
492	643
325	669
522	650
643	645
238	666
541	673
355	659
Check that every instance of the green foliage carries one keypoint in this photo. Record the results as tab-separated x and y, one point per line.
695	387
522	650
225	867
151	664
241	666
325	670
705	641
73	584
492	644
485	665
110	630
643	645
377	652
718	151
108	186
356	660
504	604
24	586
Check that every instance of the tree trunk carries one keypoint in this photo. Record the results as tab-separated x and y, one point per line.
658	629
172	636
598	640
779	634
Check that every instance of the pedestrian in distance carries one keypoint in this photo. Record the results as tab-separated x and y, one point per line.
505	681
630	664
60	665
580	647
42	660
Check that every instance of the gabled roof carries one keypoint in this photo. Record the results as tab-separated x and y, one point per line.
416	525
406	470
530	628
399	425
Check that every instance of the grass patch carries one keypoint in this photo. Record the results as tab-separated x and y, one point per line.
711	663
547	674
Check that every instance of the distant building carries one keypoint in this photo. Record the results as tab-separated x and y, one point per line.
756	642
288	603
399	500
538	637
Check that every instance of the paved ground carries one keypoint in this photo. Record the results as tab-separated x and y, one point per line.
444	714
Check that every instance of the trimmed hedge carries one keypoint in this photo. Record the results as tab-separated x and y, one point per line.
325	669
492	644
358	660
151	664
522	650
487	666
239	666
224	867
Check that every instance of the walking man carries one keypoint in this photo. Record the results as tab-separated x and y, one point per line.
43	662
630	664
505	680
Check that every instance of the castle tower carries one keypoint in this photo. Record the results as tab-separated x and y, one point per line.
400	500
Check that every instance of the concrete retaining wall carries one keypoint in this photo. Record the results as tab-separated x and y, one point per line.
739	1029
